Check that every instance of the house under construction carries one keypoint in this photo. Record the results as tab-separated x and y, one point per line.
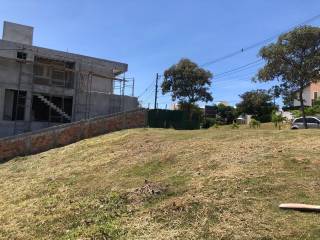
41	87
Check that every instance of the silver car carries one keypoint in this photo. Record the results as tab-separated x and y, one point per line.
312	122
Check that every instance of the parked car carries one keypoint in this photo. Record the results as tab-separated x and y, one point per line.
312	122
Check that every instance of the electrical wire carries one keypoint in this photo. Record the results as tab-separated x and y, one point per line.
234	76
238	78
254	45
239	69
147	89
149	95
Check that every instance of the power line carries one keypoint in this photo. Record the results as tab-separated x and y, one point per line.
150	86
149	97
239	69
238	78
232	76
147	89
251	64
254	63
254	45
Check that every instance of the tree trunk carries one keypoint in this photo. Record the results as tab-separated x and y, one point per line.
302	108
189	111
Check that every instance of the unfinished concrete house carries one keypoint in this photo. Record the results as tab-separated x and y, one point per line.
41	87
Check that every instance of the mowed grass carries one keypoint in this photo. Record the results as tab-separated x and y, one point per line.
164	184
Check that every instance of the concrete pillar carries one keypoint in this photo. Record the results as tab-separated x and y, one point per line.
2	93
27	111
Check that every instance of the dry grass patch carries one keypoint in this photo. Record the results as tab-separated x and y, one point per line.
166	184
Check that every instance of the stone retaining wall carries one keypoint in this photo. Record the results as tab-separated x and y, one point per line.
58	136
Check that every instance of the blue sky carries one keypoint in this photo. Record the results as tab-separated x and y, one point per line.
152	35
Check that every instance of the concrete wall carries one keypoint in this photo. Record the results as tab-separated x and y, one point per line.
10	74
17	33
102	100
62	135
102	85
102	104
9	69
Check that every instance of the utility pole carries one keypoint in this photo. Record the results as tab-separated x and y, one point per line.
156	93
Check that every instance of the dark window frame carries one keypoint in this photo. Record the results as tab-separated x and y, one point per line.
22	55
18	105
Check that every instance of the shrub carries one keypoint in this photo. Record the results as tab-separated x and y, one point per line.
208	122
296	113
277	119
254	123
220	120
235	125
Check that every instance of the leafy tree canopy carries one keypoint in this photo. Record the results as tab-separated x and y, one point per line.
275	92
225	114
294	60
187	83
257	103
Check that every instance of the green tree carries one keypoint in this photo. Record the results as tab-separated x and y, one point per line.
294	60
225	114
315	109
257	103
288	97
187	83
275	92
277	119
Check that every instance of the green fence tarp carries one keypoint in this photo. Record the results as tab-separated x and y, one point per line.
177	119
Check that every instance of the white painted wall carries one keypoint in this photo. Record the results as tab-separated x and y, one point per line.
307	96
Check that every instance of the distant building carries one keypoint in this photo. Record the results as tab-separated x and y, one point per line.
210	111
225	103
42	87
244	119
310	93
287	115
175	106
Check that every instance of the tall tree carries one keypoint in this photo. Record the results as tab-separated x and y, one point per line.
257	103
187	83
275	92
294	60
225	114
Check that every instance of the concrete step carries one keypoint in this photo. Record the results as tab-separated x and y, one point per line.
52	105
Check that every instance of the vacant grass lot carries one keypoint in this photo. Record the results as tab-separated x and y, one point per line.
165	184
